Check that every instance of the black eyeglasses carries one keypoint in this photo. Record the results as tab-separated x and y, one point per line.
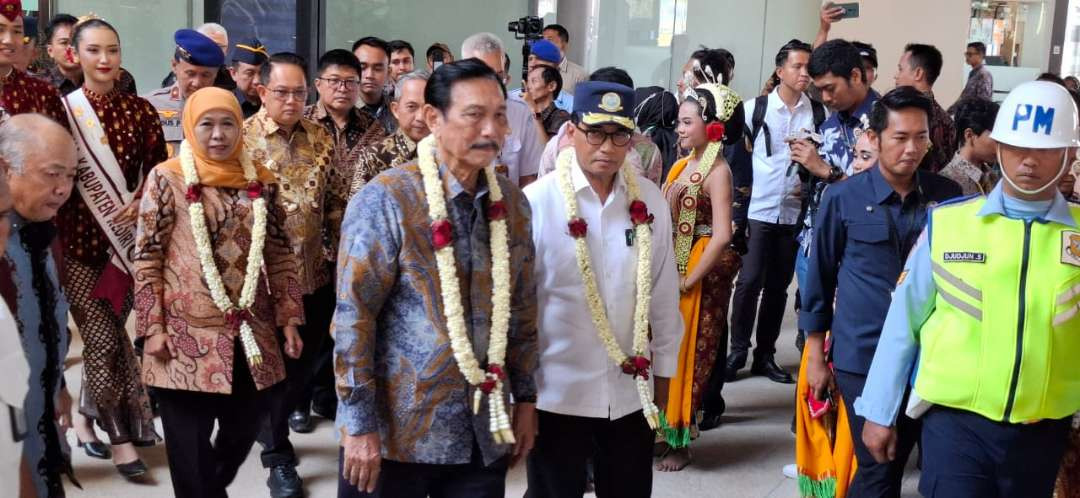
596	136
348	84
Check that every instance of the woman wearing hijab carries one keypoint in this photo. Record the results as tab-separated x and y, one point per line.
655	116
698	189
207	306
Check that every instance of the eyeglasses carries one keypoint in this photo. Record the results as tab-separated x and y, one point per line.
338	83
284	95
596	136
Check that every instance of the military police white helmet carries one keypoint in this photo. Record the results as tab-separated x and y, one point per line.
1038	115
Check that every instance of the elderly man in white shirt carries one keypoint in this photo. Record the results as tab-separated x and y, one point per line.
519	159
598	367
775	204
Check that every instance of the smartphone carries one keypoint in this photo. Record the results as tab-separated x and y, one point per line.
851	10
819	408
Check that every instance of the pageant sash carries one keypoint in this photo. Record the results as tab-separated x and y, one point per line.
102	185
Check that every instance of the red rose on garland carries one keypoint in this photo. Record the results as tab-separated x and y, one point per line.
636	366
494	373
578	228
254	190
715	131
442	234
496	211
234	318
194	193
639	213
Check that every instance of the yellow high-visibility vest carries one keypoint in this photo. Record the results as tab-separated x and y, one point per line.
1004	338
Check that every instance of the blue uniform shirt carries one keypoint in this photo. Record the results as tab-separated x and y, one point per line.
863	233
913	303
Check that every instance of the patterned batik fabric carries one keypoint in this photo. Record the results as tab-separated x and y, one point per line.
21	93
302	162
112	390
393	364
359	132
392	151
135	137
171	296
971	178
1068	481
942	138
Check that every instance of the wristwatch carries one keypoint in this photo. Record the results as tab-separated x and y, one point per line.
834	174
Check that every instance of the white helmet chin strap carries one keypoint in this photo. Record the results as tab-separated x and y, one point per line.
1051	183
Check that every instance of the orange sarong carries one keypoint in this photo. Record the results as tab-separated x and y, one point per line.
675	419
826	464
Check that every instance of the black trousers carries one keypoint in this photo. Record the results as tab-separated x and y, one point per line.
198	468
421	480
966	454
274	433
767	270
621	451
874	479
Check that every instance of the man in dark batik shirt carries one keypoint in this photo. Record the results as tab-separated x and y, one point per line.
399	148
919	67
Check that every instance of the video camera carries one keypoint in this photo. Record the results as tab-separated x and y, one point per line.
529	29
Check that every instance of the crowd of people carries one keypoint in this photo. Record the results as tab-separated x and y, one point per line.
465	277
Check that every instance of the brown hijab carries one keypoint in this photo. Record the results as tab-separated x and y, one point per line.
226	173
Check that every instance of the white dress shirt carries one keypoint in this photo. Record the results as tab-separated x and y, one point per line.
520	155
775	195
576	376
12	395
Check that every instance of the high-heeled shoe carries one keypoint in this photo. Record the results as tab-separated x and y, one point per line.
132	470
96	449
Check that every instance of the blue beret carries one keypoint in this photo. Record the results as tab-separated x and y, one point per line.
546	51
198	49
250	51
600	102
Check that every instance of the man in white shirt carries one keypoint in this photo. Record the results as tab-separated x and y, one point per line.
589	405
572	74
775	203
519	159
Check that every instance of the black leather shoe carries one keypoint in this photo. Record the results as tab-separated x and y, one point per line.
735	362
131	470
770	369
300	422
325	410
712	419
284	482
96	449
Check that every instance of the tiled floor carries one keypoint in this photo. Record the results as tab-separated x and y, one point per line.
742	458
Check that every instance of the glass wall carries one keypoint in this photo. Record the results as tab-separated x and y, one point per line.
424	23
1017	35
652	39
146	31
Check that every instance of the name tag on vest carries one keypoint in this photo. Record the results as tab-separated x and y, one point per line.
965	257
1070	248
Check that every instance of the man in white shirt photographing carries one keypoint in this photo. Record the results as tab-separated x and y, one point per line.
599	372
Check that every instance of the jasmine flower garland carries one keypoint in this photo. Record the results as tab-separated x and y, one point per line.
237	316
638	364
487	381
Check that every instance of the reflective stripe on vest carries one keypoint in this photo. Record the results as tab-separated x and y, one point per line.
1004	338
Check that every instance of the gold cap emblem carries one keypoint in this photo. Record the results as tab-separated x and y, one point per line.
611	102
